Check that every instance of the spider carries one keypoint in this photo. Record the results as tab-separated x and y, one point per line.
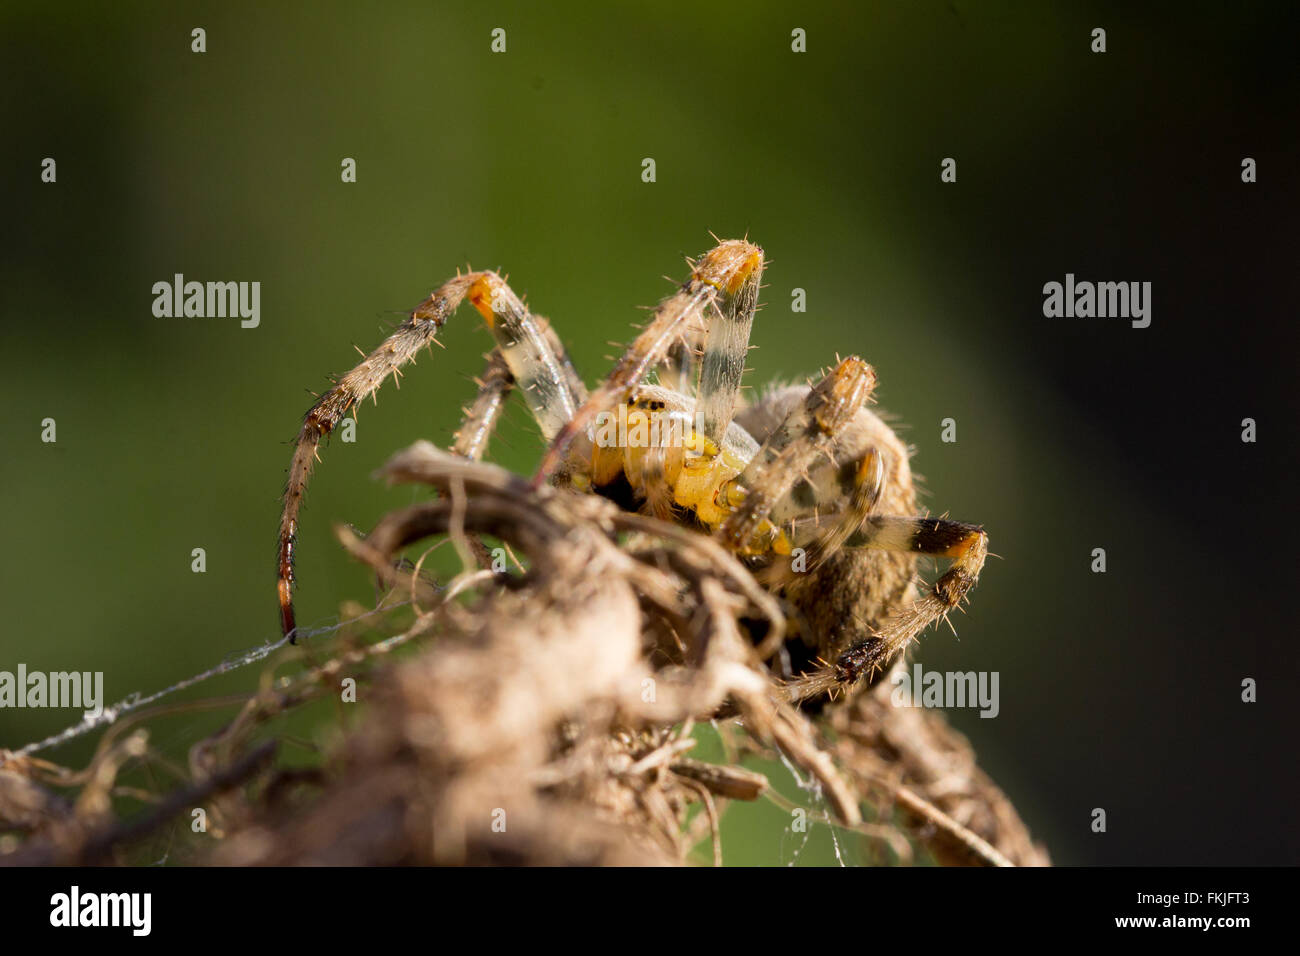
806	485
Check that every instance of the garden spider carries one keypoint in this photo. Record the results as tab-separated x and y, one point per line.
806	485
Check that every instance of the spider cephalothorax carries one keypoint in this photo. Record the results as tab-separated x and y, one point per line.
807	485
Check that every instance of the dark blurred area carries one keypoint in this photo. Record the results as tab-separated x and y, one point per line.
1119	690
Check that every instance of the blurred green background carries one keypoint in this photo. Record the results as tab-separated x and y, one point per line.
1117	691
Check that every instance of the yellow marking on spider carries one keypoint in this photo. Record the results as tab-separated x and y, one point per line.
480	296
702	446
743	273
736	495
867	467
702	483
963	546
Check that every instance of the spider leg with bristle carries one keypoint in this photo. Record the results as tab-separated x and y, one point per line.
476	428
543	373
805	435
966	544
722	363
481	417
539	368
719	286
680	370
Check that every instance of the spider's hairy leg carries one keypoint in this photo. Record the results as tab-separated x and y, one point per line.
722	363
418	331
481	418
805	436
680	370
571	376
542	371
849	486
530	350
715	283
966	544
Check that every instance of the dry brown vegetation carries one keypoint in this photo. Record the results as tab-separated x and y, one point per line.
559	702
